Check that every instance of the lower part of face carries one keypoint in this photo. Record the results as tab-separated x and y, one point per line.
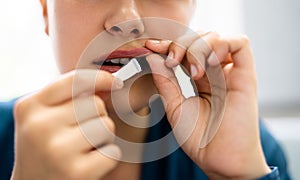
73	24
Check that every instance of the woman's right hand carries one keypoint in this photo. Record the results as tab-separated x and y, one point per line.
53	140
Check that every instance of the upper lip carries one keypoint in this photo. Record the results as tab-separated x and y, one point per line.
128	53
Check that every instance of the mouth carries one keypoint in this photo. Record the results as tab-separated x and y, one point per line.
117	59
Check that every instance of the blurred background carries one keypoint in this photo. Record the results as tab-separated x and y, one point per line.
26	60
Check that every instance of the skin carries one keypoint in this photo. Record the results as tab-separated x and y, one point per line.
46	127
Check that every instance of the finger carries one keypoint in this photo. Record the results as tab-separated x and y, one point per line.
78	82
81	139
196	56
220	52
77	111
86	108
158	46
98	131
209	49
178	48
101	161
165	81
71	141
162	47
241	53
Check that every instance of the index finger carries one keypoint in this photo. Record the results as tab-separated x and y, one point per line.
78	82
241	52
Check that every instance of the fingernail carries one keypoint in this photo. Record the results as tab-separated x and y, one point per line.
153	41
170	56
194	71
118	84
170	61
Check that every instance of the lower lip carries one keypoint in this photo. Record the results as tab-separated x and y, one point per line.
110	69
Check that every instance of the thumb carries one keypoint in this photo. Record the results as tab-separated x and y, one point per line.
182	113
165	82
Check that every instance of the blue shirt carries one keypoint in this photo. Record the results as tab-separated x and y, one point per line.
176	166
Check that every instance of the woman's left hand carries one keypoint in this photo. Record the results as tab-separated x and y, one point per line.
235	150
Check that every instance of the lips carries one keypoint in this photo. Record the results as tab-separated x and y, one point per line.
117	59
129	53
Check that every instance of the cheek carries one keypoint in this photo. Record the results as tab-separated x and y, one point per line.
182	15
71	28
180	11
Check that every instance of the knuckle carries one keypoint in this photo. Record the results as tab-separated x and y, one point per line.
245	39
22	107
19	108
214	34
200	46
221	41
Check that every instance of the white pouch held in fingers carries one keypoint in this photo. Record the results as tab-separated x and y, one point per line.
134	67
129	70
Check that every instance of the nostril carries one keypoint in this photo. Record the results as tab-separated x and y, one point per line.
116	29
135	31
127	29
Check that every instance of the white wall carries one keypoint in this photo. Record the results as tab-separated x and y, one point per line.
274	26
225	17
25	55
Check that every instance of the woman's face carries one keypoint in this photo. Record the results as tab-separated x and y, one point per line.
72	24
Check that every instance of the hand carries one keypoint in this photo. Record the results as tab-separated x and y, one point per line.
235	151
55	129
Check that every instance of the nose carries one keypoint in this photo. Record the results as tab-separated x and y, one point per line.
125	20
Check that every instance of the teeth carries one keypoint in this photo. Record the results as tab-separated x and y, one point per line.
124	60
115	61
